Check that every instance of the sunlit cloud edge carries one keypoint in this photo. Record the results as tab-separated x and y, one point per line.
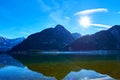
100	25
90	11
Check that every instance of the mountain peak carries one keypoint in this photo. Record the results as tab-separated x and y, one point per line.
6	44
115	27
48	39
59	26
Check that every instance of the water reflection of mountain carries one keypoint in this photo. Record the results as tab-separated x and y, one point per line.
58	66
84	74
7	60
20	73
12	69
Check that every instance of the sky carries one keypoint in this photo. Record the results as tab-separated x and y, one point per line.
20	18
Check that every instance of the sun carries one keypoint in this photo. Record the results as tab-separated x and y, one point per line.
85	21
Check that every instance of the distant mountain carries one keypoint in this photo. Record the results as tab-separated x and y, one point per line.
6	44
103	40
76	35
48	39
22	73
7	60
84	74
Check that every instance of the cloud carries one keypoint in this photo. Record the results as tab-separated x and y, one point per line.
25	33
100	25
44	6
58	18
68	18
90	11
118	12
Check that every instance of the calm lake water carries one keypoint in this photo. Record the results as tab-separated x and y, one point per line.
68	65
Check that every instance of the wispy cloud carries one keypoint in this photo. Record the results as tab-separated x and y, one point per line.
44	6
118	12
101	25
90	11
25	33
67	18
58	18
56	12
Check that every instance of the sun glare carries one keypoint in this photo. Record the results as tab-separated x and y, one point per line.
84	21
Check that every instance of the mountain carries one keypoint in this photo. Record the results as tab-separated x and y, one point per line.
21	73
7	60
6	44
103	40
46	40
76	35
84	74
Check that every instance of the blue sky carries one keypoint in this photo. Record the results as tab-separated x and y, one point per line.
20	18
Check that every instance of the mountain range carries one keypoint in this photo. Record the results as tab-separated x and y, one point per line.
6	44
50	39
103	40
60	39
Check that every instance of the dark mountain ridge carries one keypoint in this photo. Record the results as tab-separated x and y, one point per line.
48	39
103	40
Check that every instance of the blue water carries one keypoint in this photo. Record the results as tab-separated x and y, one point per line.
13	69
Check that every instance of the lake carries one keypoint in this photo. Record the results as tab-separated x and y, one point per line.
63	65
